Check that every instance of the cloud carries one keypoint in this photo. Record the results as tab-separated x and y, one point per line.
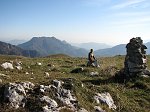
133	3
132	14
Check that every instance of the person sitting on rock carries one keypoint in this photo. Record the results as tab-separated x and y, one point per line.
91	59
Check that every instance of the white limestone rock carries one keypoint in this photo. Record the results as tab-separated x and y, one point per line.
94	74
106	98
7	65
16	94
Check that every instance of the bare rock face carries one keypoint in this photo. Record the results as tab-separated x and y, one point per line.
52	104
65	95
18	95
135	60
15	93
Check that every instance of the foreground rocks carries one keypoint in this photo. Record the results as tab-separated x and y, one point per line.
7	65
65	96
57	96
105	98
17	94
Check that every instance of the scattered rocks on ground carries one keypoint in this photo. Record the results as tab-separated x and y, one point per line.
7	65
15	93
105	98
62	94
46	74
65	95
94	74
38	63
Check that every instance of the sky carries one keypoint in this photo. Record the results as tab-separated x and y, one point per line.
75	21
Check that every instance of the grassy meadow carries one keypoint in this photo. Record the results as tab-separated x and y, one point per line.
131	96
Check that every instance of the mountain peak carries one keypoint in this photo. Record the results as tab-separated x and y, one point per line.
51	45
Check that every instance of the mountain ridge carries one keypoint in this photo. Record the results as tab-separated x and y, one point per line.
117	50
45	46
51	45
8	49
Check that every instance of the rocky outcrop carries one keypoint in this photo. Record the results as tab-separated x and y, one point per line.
16	93
52	104
56	97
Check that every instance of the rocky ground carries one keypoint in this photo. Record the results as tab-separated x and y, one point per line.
61	83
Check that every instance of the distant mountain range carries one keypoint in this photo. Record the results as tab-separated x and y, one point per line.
45	46
91	45
16	41
50	45
116	50
8	49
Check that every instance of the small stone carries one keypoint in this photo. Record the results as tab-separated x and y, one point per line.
38	63
27	73
106	98
46	74
94	74
19	67
98	109
7	65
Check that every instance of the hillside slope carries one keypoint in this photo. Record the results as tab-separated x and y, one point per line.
8	49
116	50
131	96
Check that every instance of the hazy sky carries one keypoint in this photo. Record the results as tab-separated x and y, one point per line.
103	21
